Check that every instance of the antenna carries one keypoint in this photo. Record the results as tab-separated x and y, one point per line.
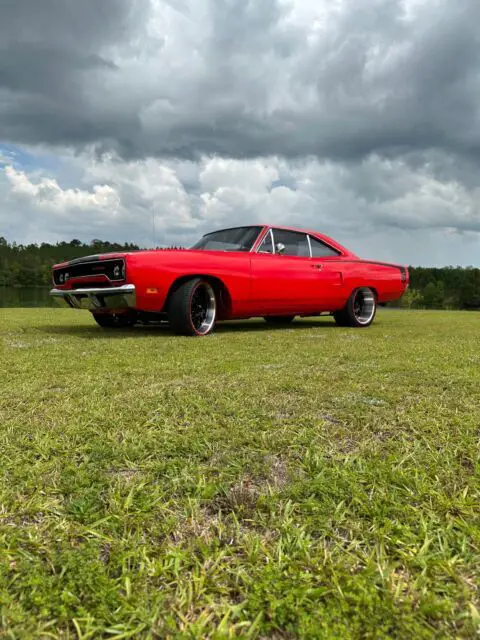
153	227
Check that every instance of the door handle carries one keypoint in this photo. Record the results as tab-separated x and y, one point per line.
317	266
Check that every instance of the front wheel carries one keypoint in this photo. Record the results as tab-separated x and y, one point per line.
359	311
113	321
193	308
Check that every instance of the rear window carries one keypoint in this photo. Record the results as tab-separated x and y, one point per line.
321	250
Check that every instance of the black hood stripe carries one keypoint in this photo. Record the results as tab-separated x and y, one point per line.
95	258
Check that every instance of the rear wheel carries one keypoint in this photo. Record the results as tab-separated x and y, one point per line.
279	319
113	321
359	311
193	308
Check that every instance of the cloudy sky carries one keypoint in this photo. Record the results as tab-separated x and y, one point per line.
358	118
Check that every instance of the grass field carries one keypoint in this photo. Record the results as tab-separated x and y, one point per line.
308	482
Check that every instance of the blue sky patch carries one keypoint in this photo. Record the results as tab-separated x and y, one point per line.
22	159
285	181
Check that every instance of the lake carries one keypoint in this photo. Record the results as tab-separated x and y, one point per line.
25	297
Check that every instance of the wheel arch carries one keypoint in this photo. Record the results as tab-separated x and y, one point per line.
375	292
364	286
222	294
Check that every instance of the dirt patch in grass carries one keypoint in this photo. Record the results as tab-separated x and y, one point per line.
203	524
125	475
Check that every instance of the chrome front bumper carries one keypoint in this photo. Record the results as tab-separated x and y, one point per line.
96	299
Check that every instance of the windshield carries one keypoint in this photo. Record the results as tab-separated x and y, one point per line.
237	239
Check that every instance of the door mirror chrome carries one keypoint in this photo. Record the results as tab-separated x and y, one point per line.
279	248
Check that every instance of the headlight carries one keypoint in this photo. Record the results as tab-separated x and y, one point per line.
60	278
117	271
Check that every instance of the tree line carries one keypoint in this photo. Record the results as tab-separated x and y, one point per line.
30	265
442	288
434	288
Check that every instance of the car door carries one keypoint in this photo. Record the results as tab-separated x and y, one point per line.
329	267
284	281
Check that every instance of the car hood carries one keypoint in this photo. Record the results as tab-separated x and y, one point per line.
143	252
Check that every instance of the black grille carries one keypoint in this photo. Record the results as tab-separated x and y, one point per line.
98	285
114	270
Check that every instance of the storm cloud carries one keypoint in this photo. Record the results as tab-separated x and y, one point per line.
241	78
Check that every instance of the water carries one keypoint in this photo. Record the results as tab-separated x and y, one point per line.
25	297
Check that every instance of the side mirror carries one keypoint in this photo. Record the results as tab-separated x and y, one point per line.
279	248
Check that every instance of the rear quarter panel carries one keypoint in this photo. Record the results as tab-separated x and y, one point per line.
385	279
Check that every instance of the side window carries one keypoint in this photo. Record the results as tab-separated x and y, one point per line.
321	250
267	244
296	244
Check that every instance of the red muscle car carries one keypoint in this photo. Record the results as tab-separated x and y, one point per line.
273	272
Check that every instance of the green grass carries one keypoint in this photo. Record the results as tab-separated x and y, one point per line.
308	482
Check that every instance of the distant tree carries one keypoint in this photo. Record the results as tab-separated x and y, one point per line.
412	299
469	290
434	294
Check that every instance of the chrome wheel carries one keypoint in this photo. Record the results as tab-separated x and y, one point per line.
203	308
364	306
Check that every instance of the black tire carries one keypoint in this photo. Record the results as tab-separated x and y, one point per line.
192	308
340	318
279	319
113	321
359	311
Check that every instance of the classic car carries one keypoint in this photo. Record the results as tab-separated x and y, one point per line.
266	271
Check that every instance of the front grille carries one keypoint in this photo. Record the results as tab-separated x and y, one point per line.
114	270
94	283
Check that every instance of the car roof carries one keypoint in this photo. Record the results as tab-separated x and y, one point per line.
261	225
297	229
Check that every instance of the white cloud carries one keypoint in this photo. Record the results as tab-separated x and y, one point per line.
46	194
379	208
